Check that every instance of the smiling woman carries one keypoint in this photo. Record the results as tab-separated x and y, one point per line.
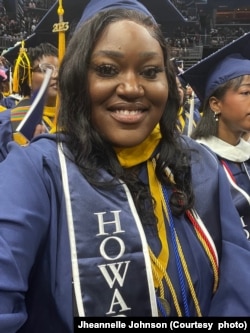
115	220
129	99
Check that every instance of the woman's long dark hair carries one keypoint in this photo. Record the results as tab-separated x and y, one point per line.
91	153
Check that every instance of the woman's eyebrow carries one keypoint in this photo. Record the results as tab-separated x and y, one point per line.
118	54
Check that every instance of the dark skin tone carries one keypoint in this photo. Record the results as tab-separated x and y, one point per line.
127	84
233	112
38	76
37	79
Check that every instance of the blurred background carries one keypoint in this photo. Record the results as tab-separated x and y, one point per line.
193	28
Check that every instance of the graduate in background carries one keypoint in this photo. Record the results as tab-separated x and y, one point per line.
5	79
28	76
29	71
189	113
108	217
222	80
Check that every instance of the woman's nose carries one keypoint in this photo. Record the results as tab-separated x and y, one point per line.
130	85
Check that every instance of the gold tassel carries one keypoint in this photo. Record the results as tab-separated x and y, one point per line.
61	28
22	69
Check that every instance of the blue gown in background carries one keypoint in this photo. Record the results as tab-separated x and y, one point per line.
5	132
236	163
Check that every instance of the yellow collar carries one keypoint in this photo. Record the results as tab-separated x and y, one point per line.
129	157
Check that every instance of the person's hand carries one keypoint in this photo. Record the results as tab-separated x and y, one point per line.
40	129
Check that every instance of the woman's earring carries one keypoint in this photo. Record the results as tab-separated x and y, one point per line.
216	116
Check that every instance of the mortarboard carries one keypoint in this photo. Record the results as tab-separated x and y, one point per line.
95	6
164	12
229	62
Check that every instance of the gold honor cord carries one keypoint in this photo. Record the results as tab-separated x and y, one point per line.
61	27
159	270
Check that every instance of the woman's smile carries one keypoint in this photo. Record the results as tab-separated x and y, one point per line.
128	84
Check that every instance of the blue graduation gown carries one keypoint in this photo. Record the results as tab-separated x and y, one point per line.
241	172
5	133
35	262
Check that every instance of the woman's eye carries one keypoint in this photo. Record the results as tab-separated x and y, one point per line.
106	70
246	92
151	72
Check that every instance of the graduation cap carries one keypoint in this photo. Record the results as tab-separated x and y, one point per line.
229	62
95	6
164	12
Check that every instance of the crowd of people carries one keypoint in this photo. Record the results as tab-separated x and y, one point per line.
116	210
16	26
14	29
